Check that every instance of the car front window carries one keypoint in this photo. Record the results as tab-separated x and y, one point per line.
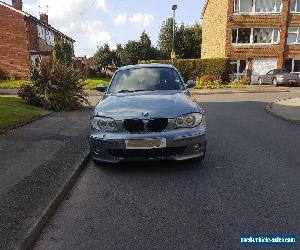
145	79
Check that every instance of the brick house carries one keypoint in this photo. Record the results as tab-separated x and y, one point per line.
256	35
24	39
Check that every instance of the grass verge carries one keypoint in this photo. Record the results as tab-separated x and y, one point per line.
12	84
228	86
14	112
92	83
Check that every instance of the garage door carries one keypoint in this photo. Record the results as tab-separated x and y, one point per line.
261	67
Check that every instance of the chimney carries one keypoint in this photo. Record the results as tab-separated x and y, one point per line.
44	18
17	4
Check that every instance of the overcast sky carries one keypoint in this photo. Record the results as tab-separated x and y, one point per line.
93	22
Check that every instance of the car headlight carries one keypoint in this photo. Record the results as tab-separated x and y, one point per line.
104	124
189	120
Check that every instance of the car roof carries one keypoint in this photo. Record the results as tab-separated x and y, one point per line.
152	65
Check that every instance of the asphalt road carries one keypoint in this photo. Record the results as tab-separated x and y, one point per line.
249	183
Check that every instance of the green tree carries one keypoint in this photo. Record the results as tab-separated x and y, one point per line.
116	55
63	52
145	46
103	57
191	41
130	53
187	40
133	51
165	38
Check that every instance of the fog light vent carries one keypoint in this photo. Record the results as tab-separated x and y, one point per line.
197	147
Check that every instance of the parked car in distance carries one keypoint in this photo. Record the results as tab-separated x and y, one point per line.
147	113
279	77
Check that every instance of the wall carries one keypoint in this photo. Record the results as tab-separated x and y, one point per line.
14	57
214	29
281	21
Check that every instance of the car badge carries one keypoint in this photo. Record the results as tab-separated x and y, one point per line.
145	114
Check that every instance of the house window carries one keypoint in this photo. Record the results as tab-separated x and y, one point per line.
263	6
243	6
41	32
292	65
255	36
238	68
241	36
295	5
35	59
294	36
265	35
49	38
267	5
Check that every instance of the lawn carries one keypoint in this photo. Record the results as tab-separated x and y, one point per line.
92	83
14	112
12	84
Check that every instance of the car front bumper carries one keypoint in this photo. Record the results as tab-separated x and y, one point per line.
181	144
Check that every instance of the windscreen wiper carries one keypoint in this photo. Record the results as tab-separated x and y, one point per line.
132	91
126	91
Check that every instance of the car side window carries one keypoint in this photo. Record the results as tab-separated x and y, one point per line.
271	72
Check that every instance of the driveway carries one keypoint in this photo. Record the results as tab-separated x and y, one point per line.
248	184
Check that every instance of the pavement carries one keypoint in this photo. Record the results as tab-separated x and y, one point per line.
247	184
39	162
287	109
254	89
8	91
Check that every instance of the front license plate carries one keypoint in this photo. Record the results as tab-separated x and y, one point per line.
146	143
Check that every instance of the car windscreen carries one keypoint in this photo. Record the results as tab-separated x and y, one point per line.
145	79
280	71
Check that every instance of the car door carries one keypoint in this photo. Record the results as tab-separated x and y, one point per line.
269	77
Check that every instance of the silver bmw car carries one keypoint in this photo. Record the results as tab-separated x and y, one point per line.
147	113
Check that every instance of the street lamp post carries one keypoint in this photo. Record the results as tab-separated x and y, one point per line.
173	54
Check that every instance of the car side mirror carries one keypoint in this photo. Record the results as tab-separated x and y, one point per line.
190	84
102	89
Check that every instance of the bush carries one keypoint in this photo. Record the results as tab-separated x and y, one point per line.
193	68
28	93
241	81
207	78
201	83
57	85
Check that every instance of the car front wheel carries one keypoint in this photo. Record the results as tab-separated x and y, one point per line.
260	82
275	82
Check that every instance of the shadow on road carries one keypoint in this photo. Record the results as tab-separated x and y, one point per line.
152	167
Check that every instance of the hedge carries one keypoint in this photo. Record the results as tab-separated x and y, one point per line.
195	68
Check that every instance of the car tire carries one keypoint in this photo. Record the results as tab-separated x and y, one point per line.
275	82
259	81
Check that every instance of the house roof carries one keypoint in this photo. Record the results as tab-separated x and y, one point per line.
36	19
204	8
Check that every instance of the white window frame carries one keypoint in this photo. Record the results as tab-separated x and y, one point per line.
34	58
239	75
251	36
296	7
49	37
41	31
293	65
253	11
298	35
